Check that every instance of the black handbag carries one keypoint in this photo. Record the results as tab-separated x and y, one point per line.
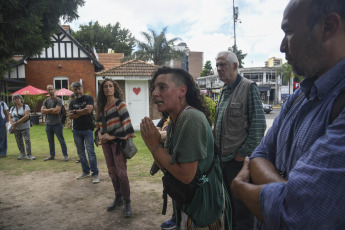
180	192
128	148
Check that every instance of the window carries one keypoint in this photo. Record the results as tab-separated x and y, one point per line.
270	76
257	77
61	82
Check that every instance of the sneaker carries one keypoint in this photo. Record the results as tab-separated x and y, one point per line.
83	175
95	179
49	158
77	161
66	158
22	156
31	157
170	224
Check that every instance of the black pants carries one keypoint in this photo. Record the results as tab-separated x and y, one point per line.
242	218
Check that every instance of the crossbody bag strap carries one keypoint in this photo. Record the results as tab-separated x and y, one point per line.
104	124
338	106
297	99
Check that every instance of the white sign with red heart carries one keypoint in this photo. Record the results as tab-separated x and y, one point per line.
137	90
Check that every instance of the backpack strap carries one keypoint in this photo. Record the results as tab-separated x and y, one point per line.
55	102
338	106
297	99
45	103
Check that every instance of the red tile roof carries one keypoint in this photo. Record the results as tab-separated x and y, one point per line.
18	57
109	60
130	68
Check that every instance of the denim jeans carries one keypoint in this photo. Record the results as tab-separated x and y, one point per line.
82	139
57	130
3	136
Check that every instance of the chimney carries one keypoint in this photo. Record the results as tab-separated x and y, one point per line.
67	28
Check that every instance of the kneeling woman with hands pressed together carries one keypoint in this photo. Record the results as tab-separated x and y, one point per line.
188	153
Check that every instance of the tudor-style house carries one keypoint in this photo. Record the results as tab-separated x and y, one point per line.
64	62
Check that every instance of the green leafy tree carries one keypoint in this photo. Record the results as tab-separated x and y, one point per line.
240	55
105	37
26	26
33	100
207	70
157	48
211	106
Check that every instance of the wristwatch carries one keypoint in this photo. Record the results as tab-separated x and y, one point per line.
74	111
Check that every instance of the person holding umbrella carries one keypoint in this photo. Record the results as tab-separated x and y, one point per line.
20	121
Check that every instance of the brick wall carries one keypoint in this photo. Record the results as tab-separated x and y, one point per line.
41	73
195	63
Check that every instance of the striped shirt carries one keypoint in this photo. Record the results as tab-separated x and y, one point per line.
256	119
117	120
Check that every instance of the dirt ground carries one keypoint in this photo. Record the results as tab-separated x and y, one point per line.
47	200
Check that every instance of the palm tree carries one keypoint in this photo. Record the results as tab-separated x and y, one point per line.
157	48
286	71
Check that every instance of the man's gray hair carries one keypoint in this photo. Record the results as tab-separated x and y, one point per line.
14	96
230	56
77	84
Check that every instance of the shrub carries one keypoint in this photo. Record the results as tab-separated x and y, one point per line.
211	106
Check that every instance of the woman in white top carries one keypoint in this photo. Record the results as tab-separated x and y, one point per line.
20	121
3	133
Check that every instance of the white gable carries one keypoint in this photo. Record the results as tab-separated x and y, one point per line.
63	47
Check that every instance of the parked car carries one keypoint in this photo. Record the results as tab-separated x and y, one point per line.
267	108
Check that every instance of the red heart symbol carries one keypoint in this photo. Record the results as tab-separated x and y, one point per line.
136	90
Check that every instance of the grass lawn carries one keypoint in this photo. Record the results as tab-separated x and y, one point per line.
138	167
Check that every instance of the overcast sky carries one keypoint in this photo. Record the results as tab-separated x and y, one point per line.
204	25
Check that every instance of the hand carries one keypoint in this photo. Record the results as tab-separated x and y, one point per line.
239	157
106	137
242	176
163	136
149	133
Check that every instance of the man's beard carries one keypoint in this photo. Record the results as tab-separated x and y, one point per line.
314	60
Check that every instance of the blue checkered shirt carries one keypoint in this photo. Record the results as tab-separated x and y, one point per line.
310	152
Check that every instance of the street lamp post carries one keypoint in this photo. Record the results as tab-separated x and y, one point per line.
235	11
